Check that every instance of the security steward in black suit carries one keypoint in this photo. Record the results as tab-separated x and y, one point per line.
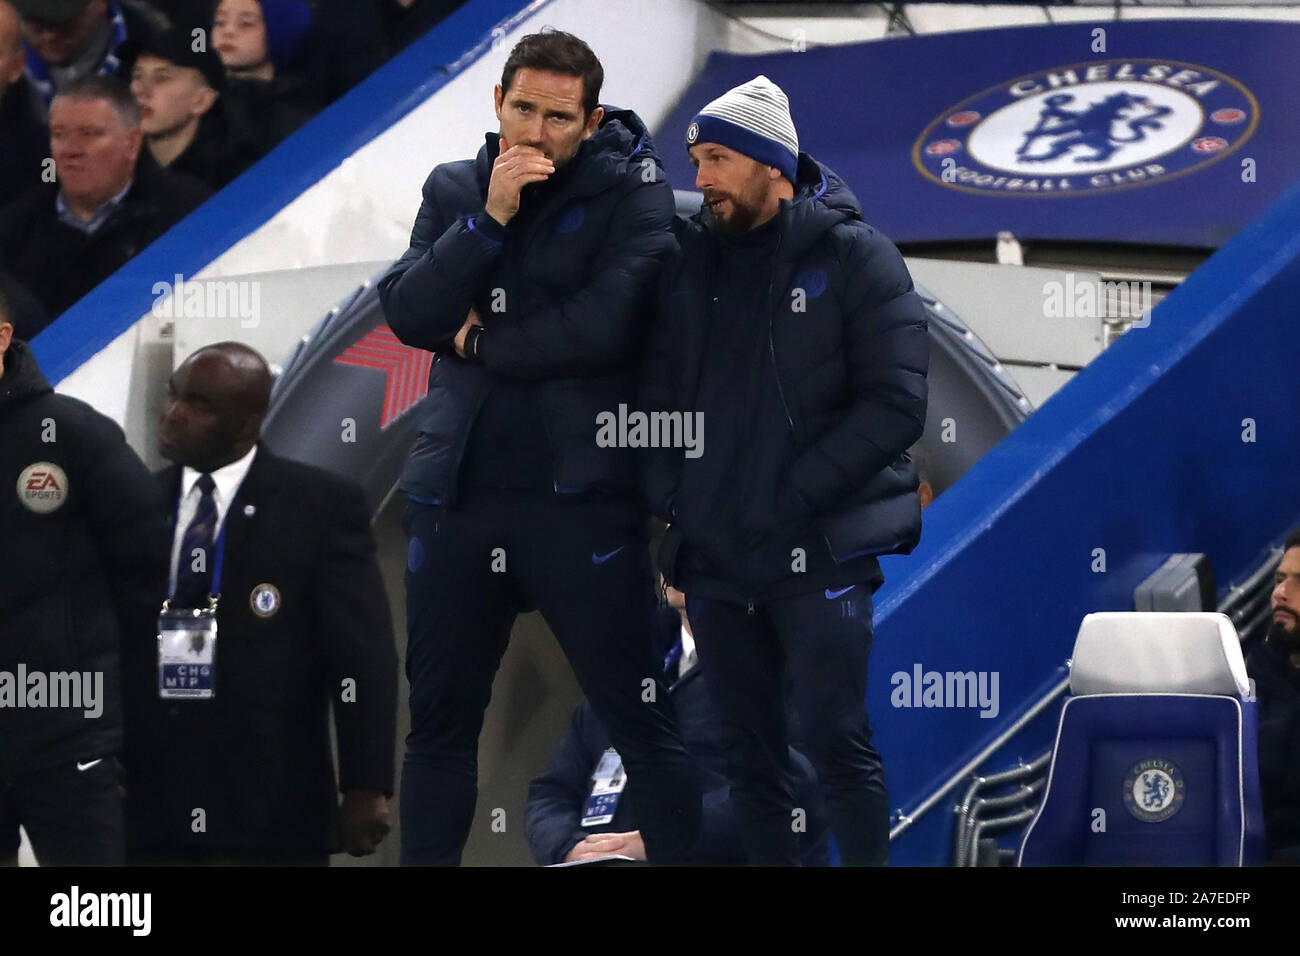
228	752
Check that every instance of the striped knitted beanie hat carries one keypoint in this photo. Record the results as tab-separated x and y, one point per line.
753	119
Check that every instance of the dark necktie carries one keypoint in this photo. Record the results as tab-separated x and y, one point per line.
193	586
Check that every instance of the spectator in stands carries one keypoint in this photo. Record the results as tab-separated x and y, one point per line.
1274	664
82	539
343	45
257	39
405	21
561	814
62	239
189	126
25	310
186	11
69	40
23	137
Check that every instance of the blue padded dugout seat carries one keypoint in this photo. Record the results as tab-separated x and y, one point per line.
1155	761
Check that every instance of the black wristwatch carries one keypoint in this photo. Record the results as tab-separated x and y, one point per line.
472	338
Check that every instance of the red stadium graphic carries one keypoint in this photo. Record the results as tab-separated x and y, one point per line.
407	369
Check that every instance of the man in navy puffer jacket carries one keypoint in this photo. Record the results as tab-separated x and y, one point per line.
530	274
790	328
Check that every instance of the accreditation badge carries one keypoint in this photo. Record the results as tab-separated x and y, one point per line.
187	653
607	787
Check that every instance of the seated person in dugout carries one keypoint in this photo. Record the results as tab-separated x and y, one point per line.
575	811
1274	664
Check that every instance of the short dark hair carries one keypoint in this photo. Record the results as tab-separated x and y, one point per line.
111	89
557	52
1292	540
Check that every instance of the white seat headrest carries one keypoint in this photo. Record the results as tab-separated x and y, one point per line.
1144	652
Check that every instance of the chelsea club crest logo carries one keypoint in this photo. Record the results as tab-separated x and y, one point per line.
1154	790
1088	128
265	600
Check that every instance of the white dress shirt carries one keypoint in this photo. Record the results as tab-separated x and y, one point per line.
226	481
689	659
92	225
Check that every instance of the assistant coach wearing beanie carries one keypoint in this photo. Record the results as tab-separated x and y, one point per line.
791	326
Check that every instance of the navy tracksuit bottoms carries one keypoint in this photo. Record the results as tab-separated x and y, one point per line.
821	640
583	562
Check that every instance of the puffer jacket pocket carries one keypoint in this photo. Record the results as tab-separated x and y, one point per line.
883	518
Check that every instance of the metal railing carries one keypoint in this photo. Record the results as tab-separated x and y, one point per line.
905	820
971	824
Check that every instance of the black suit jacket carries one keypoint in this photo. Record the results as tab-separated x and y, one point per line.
256	758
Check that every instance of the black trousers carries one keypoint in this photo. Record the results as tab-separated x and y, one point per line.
72	816
584	564
823	640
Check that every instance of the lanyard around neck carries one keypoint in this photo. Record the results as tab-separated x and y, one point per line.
218	562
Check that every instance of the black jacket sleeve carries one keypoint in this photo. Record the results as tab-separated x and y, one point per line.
598	327
1279	745
357	630
553	814
888	352
429	291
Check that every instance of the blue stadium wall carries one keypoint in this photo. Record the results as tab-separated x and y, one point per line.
1140	455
